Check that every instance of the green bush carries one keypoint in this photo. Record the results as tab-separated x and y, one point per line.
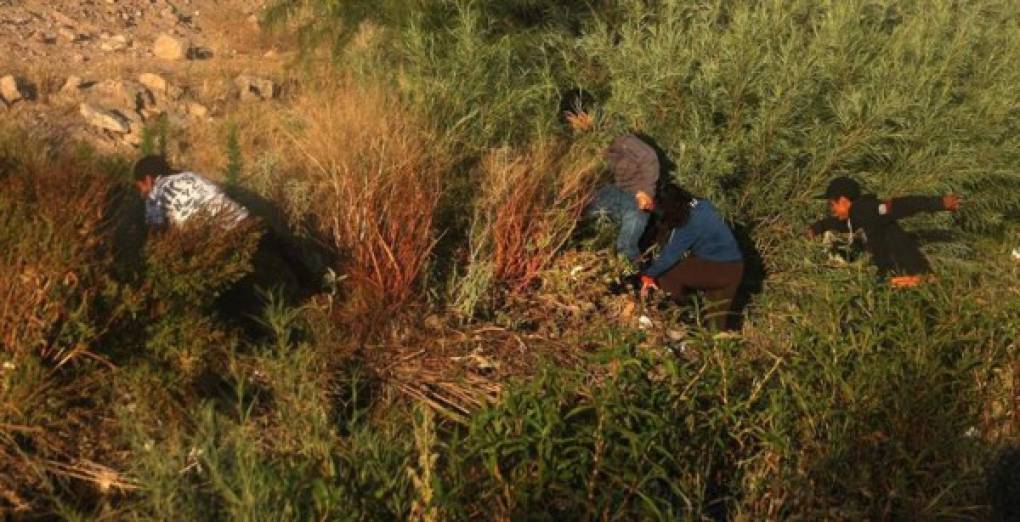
651	438
757	105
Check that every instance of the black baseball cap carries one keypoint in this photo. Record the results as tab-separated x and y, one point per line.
151	165
842	186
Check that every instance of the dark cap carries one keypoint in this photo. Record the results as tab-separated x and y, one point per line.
842	186
151	165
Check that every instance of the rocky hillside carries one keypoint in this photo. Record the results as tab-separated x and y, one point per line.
100	71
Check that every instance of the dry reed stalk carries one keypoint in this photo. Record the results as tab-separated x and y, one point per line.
103	477
378	185
533	201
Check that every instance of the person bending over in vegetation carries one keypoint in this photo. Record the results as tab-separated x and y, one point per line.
173	198
635	168
874	222
700	253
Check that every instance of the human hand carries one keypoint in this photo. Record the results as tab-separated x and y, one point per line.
647	285
951	202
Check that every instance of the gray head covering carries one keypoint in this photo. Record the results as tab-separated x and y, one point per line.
634	165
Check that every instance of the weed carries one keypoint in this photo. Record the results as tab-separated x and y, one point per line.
378	185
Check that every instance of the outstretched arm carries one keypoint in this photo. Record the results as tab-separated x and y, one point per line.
907	206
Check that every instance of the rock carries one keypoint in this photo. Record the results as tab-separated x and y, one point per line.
72	85
10	91
150	113
134	135
160	86
69	34
47	38
154	82
167	47
105	119
197	110
114	43
124	95
200	53
251	88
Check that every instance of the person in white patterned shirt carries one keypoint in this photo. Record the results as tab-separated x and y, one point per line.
174	198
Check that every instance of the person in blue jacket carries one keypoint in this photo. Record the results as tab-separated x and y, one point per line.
700	253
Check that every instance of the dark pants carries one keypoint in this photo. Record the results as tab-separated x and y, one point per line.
718	281
276	269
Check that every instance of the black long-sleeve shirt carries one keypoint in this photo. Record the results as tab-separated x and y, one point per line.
893	250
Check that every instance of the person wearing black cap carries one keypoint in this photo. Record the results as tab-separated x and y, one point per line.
893	250
173	198
634	164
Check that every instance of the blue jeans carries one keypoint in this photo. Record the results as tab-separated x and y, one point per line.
622	208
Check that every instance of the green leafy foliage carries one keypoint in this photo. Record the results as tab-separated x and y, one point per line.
235	160
839	399
154	136
187	270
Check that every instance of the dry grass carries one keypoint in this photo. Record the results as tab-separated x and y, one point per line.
376	181
53	216
528	206
535	200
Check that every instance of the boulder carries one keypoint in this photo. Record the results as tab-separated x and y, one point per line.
167	47
114	43
154	82
251	88
127	96
197	110
72	85
105	119
200	53
10	91
71	35
159	85
135	134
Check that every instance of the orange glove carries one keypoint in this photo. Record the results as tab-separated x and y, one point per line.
909	281
647	284
951	202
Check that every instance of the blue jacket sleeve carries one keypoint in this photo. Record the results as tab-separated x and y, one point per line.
680	240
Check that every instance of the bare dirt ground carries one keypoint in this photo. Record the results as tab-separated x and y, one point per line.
64	54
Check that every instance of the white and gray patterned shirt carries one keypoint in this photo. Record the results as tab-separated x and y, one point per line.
178	197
